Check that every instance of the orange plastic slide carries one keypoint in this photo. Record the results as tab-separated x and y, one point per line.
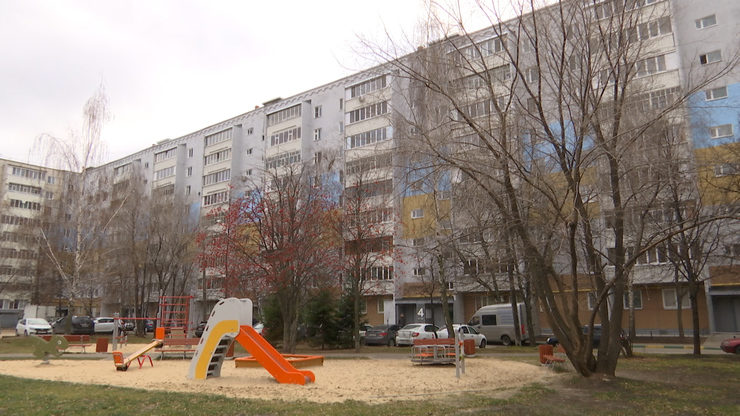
123	364
271	359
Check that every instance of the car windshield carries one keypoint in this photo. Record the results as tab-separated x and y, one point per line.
380	327
411	326
36	321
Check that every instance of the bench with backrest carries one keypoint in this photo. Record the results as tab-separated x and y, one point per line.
433	351
78	341
177	345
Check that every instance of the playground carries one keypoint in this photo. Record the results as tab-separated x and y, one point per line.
367	380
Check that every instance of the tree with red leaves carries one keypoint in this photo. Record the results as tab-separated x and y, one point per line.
279	239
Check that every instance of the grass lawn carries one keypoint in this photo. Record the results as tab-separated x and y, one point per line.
646	385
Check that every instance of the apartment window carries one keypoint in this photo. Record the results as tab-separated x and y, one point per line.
146	164
380	273
220	156
650	29
249	172
216	198
190	152
27	173
187	190
491	46
285	136
532	74
381	305
50	180
283	159
419	271
341	103
670	300
26	189
710	57
363	306
368	112
470	267
316	134
167	154
417	213
717	132
651	66
317	111
706	22
636	299
317	158
716	93
726	169
190	171
49	195
591	300
219	137
367	87
284	115
369	137
217	177
249	151
250	130
164	173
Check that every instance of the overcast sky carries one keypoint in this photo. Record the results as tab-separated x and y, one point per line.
170	67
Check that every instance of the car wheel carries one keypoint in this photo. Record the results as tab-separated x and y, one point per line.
506	340
391	342
483	343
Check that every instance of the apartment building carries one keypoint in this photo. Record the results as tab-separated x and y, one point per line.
354	131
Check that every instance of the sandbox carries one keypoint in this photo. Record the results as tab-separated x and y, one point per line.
367	380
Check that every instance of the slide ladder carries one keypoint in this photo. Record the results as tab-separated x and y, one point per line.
230	320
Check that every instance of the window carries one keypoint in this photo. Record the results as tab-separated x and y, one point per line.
636	300
341	103
341	126
164	173
369	137
716	93
220	156
366	87
363	306
417	213
419	271
651	66
190	171
317	111
488	319
381	305
249	172
50	180
649	29
187	190
710	57
250	130
317	158
219	137
216	198
706	22
368	112
26	189
190	152
532	74
470	267
317	134
249	151
28	173
591	300
167	154
285	136
670	300
727	169
283	159
717	132
284	115
49	195
217	177
380	273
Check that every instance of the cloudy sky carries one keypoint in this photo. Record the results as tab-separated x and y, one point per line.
170	67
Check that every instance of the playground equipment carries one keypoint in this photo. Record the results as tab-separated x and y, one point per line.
43	349
123	364
231	321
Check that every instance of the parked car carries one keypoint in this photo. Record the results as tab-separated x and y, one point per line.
149	326
468	332
553	340
410	332
363	330
80	325
129	325
32	326
106	324
496	322
382	335
731	345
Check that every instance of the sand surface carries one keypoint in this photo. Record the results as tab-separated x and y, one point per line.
367	380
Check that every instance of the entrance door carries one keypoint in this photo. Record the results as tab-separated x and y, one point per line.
726	313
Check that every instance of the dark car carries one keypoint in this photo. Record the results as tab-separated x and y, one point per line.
731	345
83	325
553	340
381	335
149	326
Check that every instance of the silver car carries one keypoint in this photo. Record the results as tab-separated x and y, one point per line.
410	332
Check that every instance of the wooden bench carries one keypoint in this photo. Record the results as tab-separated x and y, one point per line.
178	345
433	351
79	341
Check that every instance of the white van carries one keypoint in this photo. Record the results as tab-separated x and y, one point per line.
496	322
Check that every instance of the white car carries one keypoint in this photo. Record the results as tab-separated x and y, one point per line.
32	326
105	325
410	332
468	332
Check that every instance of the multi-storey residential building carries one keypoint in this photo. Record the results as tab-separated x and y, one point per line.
357	126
